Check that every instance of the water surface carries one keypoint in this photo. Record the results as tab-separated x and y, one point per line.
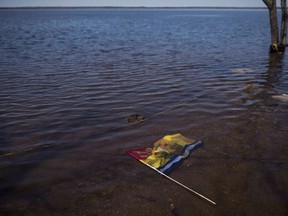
69	78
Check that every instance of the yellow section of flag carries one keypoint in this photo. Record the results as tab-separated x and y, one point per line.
165	148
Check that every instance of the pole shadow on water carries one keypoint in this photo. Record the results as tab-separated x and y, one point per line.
275	69
273	77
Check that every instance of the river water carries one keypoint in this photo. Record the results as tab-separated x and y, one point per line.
70	77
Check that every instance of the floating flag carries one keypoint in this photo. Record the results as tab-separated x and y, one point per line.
167	153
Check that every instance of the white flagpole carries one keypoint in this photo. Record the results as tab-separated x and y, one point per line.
182	185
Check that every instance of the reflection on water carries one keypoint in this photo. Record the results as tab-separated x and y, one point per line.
69	79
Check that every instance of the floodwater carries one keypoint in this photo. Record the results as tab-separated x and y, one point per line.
70	77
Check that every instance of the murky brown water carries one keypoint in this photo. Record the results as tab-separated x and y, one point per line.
69	79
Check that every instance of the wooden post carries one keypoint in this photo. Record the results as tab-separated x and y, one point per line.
277	44
272	7
283	24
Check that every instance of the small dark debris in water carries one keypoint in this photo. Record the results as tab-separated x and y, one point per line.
135	118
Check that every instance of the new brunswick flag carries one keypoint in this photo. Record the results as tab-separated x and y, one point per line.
166	153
